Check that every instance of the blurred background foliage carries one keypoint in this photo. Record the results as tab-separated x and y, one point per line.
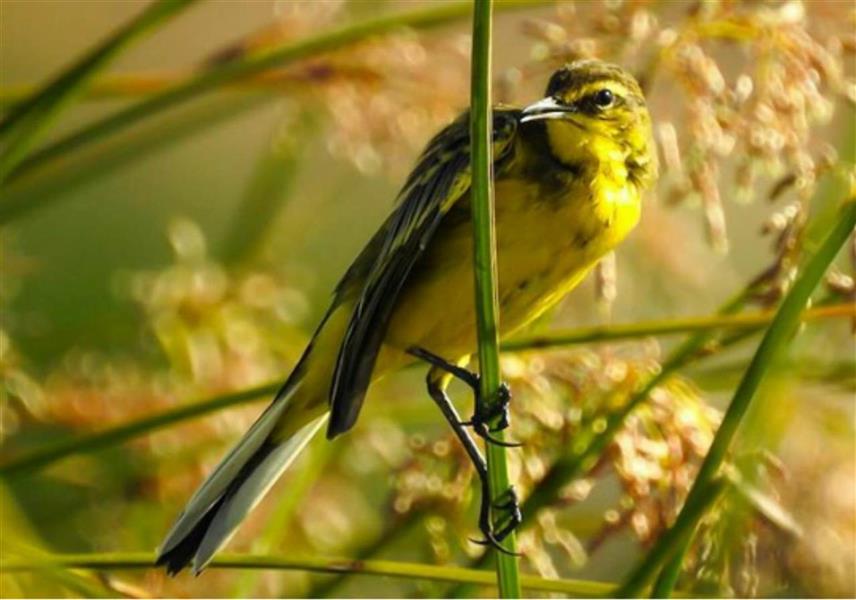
191	255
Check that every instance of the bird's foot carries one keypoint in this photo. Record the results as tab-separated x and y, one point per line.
485	412
494	534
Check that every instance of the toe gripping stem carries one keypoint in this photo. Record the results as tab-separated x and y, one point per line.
507	503
484	413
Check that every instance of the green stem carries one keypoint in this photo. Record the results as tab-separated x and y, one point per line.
28	119
266	196
681	533
668	577
226	73
772	346
142	560
395	529
98	160
96	441
566	468
591	442
667	327
594	441
283	514
484	267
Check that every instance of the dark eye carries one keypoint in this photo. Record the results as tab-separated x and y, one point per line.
603	98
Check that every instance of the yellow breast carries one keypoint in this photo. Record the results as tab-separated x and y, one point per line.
548	238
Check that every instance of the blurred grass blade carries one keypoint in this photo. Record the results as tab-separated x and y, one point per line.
100	159
268	190
566	468
396	527
772	346
592	441
89	443
668	577
29	118
642	329
218	76
484	267
310	470
385	568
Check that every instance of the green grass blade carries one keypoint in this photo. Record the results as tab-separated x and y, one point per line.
27	120
229	72
116	435
385	568
565	469
98	160
268	191
772	346
668	577
579	462
608	333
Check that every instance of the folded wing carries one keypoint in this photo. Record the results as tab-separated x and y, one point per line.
440	179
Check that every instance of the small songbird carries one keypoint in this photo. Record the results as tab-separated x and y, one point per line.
569	173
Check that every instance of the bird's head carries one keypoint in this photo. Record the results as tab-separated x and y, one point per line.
596	111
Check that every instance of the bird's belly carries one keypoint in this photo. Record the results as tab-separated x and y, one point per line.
544	249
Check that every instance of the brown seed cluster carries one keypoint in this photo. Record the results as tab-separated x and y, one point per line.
750	86
558	396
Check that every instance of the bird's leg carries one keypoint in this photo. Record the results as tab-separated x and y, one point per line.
492	536
484	412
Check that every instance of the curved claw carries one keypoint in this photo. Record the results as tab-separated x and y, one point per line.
483	432
498	442
493	542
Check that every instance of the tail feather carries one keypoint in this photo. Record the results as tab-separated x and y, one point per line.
233	489
241	498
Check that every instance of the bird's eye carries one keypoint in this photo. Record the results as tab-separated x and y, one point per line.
604	98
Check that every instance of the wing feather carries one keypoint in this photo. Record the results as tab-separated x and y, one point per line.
439	180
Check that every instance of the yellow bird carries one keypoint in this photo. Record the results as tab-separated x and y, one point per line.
569	173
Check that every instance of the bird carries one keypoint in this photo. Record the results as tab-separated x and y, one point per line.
570	171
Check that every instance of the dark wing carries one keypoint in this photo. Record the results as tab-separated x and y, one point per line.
441	178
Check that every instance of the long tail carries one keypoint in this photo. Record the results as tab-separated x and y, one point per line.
237	484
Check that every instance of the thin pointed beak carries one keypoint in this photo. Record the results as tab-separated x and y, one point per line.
546	108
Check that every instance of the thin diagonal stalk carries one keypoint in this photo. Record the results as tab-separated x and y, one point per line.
668	577
229	72
566	468
142	560
667	327
484	267
28	119
267	194
772	346
283	514
683	531
592	442
109	437
135	86
97	160
579	462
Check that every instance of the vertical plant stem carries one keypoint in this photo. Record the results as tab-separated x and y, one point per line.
484	266
28	119
593	442
775	341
